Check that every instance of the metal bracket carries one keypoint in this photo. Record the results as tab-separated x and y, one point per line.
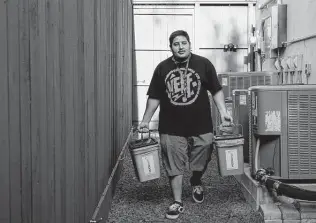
230	47
308	71
96	221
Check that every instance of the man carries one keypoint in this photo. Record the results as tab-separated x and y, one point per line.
179	85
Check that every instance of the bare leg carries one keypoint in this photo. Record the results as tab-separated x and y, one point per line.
176	186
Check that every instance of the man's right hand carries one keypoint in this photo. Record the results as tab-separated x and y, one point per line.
143	127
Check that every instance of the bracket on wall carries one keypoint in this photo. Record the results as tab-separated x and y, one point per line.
96	221
230	47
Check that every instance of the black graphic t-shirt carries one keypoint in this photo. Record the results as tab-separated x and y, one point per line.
184	102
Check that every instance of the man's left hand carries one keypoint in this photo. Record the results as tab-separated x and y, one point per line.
226	119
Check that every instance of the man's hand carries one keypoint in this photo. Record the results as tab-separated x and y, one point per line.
143	127
151	106
226	119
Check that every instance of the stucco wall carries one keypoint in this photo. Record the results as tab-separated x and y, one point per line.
301	22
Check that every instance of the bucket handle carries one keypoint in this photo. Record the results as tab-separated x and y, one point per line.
234	126
141	133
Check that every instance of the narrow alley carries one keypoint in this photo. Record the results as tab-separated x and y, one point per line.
148	201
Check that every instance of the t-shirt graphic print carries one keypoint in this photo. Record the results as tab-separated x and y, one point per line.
183	89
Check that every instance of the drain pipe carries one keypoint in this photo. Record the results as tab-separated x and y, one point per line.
299	39
282	186
285	189
257	155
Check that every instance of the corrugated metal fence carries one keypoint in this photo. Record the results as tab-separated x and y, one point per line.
66	105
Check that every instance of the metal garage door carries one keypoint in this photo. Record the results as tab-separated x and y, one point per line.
153	25
219	25
210	28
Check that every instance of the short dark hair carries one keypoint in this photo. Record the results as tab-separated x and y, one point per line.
178	33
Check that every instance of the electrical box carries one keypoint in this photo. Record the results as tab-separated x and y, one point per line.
279	25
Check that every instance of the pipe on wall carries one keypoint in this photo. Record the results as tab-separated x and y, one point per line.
300	39
261	6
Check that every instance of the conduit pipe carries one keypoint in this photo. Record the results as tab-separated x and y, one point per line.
257	155
299	39
264	4
290	190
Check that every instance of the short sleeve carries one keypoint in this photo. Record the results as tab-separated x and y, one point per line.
213	84
156	87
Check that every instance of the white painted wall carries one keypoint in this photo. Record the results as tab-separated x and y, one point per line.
301	21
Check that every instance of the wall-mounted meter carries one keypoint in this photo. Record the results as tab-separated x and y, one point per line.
279	25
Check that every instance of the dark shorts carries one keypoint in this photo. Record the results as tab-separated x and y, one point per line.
177	151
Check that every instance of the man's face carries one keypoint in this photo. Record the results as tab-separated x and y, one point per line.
180	47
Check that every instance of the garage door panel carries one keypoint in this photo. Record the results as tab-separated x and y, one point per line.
152	31
222	25
226	61
216	25
146	63
144	32
139	103
166	9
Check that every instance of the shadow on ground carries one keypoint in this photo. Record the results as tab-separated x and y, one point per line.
148	201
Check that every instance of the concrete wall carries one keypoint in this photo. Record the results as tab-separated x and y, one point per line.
301	19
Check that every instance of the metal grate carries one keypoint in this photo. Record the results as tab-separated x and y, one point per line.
302	135
246	81
232	83
240	81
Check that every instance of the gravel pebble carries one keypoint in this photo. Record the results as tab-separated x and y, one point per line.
148	201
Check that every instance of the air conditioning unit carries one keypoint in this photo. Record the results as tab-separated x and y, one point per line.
283	130
240	80
243	80
241	117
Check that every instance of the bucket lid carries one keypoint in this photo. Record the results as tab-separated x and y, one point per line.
226	137
142	143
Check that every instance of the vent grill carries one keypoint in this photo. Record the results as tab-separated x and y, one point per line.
232	81
240	82
232	85
302	135
254	81
246	81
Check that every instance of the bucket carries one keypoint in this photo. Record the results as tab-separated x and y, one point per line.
145	157
230	154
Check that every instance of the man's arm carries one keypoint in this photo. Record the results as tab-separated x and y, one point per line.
151	106
221	106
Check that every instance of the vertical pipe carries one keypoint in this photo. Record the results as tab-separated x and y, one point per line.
261	6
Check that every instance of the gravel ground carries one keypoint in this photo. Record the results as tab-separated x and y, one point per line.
148	201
